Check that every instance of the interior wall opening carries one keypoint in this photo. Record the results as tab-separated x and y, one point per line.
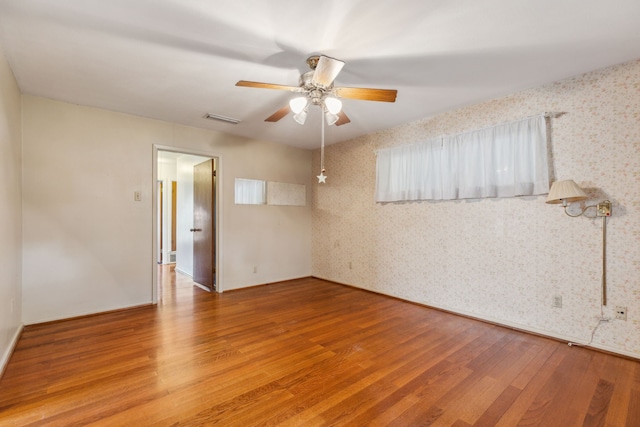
185	228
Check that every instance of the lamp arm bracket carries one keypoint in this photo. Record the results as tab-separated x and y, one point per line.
602	209
584	209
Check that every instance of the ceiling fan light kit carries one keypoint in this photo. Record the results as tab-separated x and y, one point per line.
301	117
298	104
316	87
334	105
330	117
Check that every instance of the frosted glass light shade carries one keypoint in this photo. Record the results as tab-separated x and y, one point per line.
298	104
565	192
300	117
334	105
330	117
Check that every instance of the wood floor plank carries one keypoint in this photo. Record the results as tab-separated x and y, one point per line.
571	371
585	390
633	413
597	411
545	350
621	374
453	402
531	380
498	407
305	352
488	406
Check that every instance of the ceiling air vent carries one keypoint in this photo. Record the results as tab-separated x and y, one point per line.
219	118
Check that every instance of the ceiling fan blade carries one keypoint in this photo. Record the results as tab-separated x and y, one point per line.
326	71
342	119
245	83
365	94
278	114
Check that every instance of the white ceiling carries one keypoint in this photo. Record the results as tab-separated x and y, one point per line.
176	60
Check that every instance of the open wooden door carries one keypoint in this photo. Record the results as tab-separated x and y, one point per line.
204	256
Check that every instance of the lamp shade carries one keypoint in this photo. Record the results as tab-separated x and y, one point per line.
565	192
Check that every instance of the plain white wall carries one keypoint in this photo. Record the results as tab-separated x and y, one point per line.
88	244
10	211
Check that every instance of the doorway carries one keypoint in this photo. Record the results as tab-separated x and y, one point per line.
185	255
167	207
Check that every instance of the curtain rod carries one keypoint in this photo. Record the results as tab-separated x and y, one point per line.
546	115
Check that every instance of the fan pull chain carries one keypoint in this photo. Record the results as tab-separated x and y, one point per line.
322	145
322	177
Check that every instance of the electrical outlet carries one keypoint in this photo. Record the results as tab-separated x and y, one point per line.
255	269
621	313
137	196
557	301
350	265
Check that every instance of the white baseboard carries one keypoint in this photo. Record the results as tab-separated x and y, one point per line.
184	273
9	351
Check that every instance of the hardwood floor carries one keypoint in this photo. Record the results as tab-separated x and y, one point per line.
306	353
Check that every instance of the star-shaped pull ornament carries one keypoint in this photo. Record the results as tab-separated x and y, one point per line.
322	178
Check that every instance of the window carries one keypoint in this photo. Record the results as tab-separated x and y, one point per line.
501	161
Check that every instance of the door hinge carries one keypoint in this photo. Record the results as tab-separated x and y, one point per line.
214	173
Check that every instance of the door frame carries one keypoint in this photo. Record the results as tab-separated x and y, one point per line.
219	215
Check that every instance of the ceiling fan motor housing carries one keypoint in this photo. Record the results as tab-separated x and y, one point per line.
312	61
316	93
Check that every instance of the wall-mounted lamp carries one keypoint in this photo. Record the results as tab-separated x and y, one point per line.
568	191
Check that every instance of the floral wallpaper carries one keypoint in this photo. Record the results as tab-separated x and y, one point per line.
502	260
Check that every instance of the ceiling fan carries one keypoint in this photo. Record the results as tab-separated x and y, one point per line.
316	87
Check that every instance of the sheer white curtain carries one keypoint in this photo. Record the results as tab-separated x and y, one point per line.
250	192
410	172
501	161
